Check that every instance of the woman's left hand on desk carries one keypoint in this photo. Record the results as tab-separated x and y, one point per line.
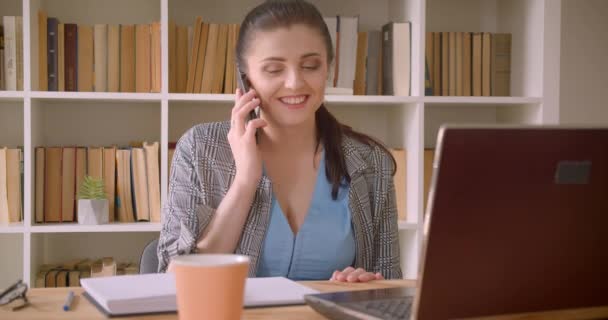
351	274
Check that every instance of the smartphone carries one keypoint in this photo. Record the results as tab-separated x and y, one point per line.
243	84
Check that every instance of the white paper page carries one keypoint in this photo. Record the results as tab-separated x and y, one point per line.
156	292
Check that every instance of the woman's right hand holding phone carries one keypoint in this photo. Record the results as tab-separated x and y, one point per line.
247	156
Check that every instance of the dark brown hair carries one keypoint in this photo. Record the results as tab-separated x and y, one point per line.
275	14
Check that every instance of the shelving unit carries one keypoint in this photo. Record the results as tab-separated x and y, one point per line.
33	118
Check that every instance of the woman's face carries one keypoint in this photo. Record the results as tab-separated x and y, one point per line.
288	69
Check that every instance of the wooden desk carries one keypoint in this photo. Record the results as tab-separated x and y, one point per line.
47	304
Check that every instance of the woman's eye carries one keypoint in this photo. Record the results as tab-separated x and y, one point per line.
311	67
273	71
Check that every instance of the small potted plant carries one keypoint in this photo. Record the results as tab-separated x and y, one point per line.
92	202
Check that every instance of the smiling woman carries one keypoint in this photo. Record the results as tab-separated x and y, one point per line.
312	198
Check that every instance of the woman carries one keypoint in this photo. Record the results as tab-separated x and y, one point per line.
308	198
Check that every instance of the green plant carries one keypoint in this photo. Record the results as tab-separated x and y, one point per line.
92	189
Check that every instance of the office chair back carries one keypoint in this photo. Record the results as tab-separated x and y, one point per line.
149	258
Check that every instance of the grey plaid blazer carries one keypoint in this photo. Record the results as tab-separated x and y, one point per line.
203	169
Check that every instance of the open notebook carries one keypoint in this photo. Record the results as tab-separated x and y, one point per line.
155	293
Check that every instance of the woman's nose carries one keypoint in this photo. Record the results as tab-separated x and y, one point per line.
293	80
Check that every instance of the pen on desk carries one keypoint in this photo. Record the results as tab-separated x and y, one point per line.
68	301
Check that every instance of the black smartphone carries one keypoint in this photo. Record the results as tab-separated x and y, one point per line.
243	84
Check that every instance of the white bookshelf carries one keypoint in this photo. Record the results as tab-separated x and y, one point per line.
33	118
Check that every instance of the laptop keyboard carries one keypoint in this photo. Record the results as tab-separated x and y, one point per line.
396	308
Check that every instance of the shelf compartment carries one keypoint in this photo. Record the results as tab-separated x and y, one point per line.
522	18
63	247
94	123
11	122
96	96
87	12
110	227
11	250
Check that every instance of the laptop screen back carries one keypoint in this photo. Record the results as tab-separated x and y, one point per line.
517	221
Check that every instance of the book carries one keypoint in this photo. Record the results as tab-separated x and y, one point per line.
400	182
39	175
4	211
501	64
85	58
154	293
182	59
71	56
61	57
100	42
486	57
10	52
42	51
68	184
127	58
113	58
52	184
53	54
348	27
143	58
373	63
153	175
396	59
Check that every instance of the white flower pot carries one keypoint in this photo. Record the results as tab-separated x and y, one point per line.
93	211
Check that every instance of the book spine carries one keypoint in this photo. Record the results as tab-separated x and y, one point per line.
52	62
71	57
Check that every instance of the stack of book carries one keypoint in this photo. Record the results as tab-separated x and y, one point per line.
11	185
69	274
101	58
468	64
201	57
131	177
11	53
374	62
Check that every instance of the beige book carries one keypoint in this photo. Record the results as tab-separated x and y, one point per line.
85	58
52	184
361	58
81	170
210	58
476	64
230	63
101	57
486	57
452	64
153	174
109	179
113	58
400	182
124	203
73	278
61	57
220	65
61	279
199	73
95	162
51	278
39	182
429	157
68	184
127	58
445	63
40	279
14	158
181	72
170	152
198	24
105	267
143	59
4	210
466	64
459	36
436	78
43	71
140	187
155	53
172	56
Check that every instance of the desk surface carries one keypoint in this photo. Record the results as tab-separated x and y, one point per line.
47	304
